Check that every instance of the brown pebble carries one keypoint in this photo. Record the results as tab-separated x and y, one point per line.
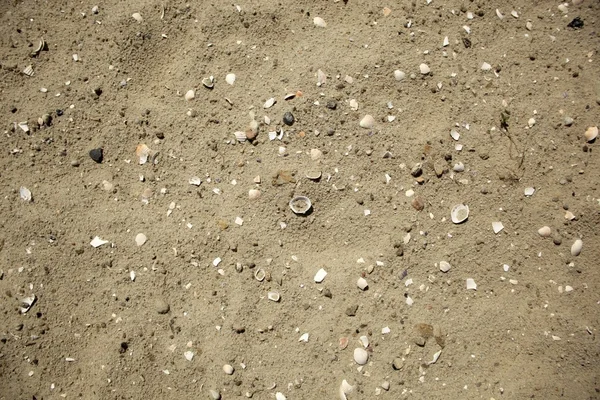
419	341
351	311
418	203
161	306
398	364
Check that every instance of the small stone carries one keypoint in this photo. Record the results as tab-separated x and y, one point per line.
399	75
420	341
74	163
557	240
228	369
327	293
418	203
568	121
161	306
189	95
385	385
288	118
362	284
545	231
214	395
576	247
398	364
331	104
367	122
140	239
97	155
417	170
424	68
351	311
239	328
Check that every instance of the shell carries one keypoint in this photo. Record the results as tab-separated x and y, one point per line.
362	284
367	122
140	239
274	296
313	175
41	46
576	247
545	231
399	75
320	275
28	70
240	136
529	191
321	78
320	22
361	356
471	285
27	303
230	79
455	135
189	95
300	205
444	266
209	82
25	193
137	17
353	105
260	274
228	369
269	103
459	214
424	69
591	133
497	226
345	389
253	194
289	96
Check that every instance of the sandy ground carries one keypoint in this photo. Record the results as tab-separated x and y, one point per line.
529	330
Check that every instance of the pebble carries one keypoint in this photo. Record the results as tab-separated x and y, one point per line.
351	311
189	95
444	266
576	247
253	194
385	385
320	275
545	231
97	155
331	104
214	394
398	364
367	122
74	163
418	203
161	306
417	170
568	121
361	356
140	239
320	22
288	119
230	79
228	369
424	68
95	10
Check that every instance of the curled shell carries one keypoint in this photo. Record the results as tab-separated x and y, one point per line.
209	82
260	274
591	133
300	205
240	136
230	79
459	214
274	296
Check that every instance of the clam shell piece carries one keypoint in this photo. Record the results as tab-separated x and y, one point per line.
345	389
497	226
253	194
260	274
300	205
471	285
591	133
362	284
97	242
320	275
361	356
189	95
367	122
313	175
27	303
142	152
274	296
269	103
529	191
545	231
424	69
230	79
28	70
320	22
459	214
576	247
399	75
25	193
137	17
240	136
444	266
209	82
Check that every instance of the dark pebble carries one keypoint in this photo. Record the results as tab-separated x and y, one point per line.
327	293
161	306
351	311
332	104
97	155
288	119
160	135
59	112
577	23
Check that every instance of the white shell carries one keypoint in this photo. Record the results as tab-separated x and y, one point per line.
132	276
189	95
230	79
97	242
569	216
529	191
228	369
253	194
304	338
367	122
364	341
459	214
209	82
25	193
188	355
471	285
591	133
361	356
444	266
137	17
140	239
424	68
240	136
576	247
195	181
24	127
27	303
300	205
273	296
446	42
280	396
269	103
455	135
486	67
320	22
362	284
260	274
497	226
499	14
545	231
353	105
28	70
345	389
458	167
321	78
320	275
436	356
399	75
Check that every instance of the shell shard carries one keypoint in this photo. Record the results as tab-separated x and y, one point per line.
28	70
459	214
300	205
25	194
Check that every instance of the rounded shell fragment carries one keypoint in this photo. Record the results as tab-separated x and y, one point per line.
362	284
444	266
545	231
367	122
424	69
274	296
361	356
576	247
591	133
320	22
459	214
300	205
228	369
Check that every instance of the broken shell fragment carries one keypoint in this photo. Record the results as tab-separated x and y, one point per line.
137	17
497	226
367	122
253	194
27	303
321	78
28	70
230	79
424	69
345	389
576	247
320	22
140	239
320	275
209	82
362	284
25	194
189	95
274	296
545	231
195	181
591	133
471	285
41	46
361	356
269	103
260	274
240	136
300	205
529	191
144	154
459	214
313	175
444	266
399	75
228	369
